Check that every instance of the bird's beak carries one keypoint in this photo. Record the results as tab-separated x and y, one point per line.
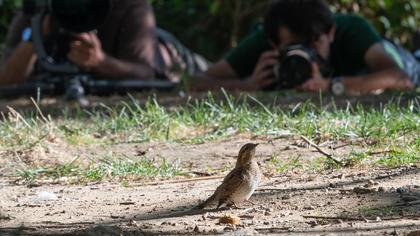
256	144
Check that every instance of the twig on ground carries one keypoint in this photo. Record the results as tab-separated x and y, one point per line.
380	152
328	155
247	210
359	218
412	203
335	218
342	146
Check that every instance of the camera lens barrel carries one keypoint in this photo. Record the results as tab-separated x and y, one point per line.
72	15
295	66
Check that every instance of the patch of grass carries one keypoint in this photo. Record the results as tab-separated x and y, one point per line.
115	169
280	166
406	156
127	169
214	118
378	211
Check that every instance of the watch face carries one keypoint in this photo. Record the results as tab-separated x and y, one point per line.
338	88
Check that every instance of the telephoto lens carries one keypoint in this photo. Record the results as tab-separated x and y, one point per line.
295	66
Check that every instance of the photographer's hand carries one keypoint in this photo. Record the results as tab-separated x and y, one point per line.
263	75
86	51
317	83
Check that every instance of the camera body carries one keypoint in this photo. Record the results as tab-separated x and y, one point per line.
74	16
295	66
65	18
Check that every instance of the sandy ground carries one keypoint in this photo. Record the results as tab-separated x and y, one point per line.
291	203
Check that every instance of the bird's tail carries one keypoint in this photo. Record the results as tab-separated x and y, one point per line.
207	202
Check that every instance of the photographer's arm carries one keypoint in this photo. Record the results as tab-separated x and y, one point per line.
386	74
18	66
87	53
222	75
18	57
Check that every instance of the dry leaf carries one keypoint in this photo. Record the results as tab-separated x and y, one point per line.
230	219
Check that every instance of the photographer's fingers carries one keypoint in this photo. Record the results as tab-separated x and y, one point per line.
79	57
85	39
308	86
80	47
269	54
269	58
265	77
316	73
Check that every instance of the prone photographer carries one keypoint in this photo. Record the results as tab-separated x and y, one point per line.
126	45
337	53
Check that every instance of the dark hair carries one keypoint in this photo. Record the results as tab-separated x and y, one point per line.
307	19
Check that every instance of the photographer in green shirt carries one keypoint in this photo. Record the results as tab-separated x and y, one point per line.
359	60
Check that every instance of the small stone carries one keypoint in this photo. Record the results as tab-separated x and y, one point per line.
332	185
174	224
248	222
285	197
310	207
403	190
230	228
359	190
196	229
266	223
313	223
381	189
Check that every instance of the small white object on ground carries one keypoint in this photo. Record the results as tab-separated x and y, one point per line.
44	196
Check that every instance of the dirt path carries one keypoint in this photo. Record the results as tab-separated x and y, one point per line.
366	202
283	203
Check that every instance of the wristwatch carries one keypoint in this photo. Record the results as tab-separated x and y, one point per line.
27	34
337	86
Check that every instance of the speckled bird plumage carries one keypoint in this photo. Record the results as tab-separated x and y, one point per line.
240	183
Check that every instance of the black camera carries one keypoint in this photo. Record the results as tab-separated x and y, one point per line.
295	65
72	15
66	17
55	74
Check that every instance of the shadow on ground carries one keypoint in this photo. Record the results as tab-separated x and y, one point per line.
133	225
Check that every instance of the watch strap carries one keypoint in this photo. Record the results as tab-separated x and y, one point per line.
27	34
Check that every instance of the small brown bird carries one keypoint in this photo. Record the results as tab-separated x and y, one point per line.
240	183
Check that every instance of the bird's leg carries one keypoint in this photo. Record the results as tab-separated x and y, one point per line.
237	207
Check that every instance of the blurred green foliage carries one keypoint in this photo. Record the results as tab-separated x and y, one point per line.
7	10
211	27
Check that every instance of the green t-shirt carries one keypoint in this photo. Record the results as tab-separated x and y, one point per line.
353	38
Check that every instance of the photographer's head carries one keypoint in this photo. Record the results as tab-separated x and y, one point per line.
308	22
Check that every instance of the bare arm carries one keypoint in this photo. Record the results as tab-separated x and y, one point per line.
18	66
119	69
222	75
385	74
18	57
131	55
87	53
